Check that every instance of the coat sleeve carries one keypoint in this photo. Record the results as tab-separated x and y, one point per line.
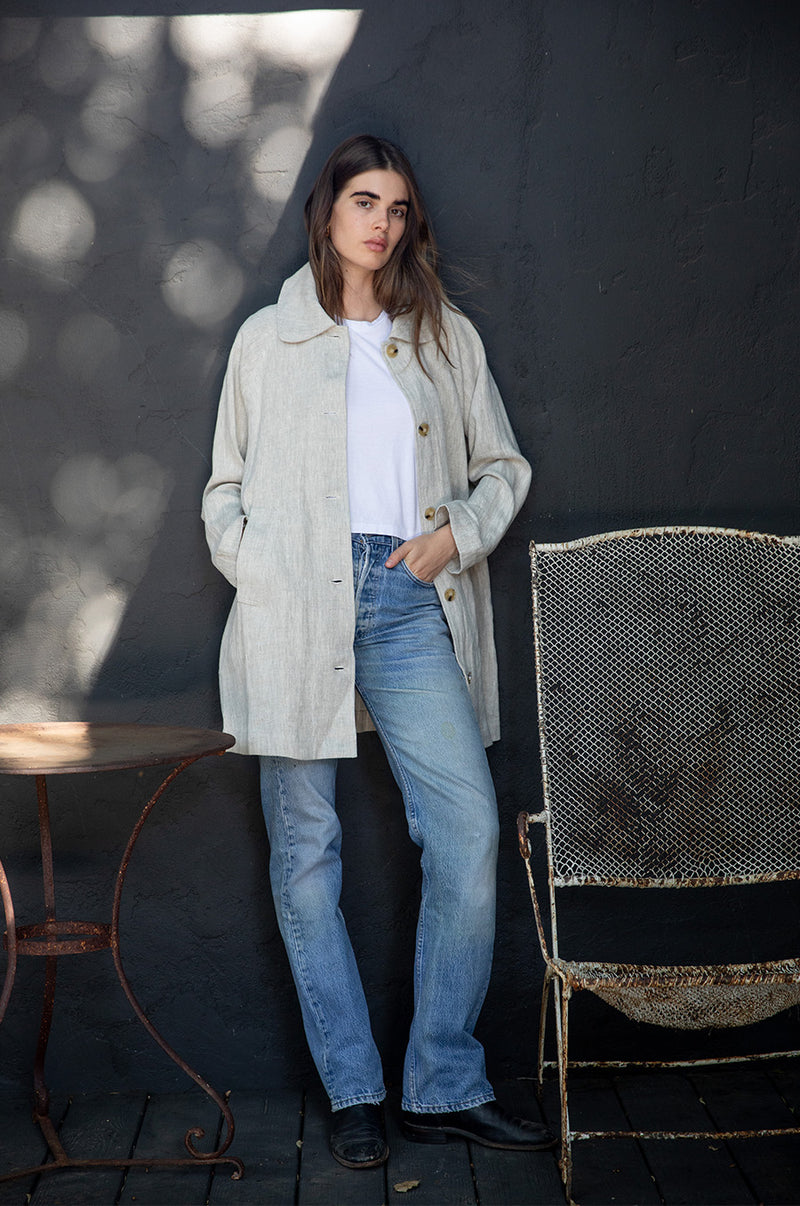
222	512
499	475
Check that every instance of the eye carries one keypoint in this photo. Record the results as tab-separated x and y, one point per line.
364	202
398	213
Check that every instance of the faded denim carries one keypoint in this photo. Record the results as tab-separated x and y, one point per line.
407	674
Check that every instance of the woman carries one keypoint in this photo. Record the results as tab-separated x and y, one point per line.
363	470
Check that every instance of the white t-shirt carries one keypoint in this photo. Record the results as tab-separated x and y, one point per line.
381	446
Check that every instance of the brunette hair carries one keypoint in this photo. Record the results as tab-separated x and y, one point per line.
409	282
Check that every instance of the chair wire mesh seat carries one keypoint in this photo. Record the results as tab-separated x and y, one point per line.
668	687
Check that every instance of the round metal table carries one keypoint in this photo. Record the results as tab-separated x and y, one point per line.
61	748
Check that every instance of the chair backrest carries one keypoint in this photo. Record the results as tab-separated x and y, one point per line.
668	678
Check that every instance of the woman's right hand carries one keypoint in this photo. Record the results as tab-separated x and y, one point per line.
426	555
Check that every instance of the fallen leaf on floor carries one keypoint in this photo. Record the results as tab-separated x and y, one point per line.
405	1186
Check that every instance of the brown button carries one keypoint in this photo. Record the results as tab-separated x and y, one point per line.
423	429
430	513
450	594
391	350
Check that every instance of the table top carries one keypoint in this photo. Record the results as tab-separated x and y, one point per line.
72	747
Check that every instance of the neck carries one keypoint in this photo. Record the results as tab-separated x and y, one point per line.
358	298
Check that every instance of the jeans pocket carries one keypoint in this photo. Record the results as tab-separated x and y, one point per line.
415	579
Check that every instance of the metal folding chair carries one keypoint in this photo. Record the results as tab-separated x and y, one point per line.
668	683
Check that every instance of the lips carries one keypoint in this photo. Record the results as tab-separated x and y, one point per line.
376	244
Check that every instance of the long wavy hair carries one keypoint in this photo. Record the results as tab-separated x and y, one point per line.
409	282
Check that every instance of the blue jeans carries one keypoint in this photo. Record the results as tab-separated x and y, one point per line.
408	677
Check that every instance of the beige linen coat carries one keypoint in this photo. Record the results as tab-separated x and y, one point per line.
277	517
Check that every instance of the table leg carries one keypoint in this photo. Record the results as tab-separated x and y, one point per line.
41	1110
193	1133
10	941
52	938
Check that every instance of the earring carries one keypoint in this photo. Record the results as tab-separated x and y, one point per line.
328	231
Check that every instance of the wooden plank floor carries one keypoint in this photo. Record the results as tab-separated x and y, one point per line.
282	1139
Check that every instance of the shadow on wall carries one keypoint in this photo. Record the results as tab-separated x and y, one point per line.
154	170
147	163
154	173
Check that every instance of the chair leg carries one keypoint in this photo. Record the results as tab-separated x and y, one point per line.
562	997
546	984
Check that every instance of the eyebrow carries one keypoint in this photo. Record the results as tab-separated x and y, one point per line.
364	192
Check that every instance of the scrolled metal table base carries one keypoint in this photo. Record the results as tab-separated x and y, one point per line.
62	748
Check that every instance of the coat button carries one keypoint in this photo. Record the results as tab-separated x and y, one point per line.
423	429
392	350
430	513
450	594
469	679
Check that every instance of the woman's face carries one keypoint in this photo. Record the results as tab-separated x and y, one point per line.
368	219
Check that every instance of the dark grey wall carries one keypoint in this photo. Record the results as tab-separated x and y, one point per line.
622	180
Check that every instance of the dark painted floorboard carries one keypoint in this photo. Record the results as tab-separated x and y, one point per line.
442	1171
21	1146
323	1182
283	1140
605	1170
268	1128
167	1119
695	1171
742	1096
518	1177
94	1128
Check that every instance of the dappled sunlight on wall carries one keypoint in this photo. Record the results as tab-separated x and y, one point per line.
226	58
202	283
147	162
53	225
112	117
108	516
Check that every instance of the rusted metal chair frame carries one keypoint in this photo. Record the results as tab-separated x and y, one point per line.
566	977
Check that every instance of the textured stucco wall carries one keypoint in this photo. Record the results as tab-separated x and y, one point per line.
622	181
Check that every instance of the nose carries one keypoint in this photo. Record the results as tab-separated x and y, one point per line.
381	221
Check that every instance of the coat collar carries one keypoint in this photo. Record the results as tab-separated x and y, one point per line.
301	317
299	314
